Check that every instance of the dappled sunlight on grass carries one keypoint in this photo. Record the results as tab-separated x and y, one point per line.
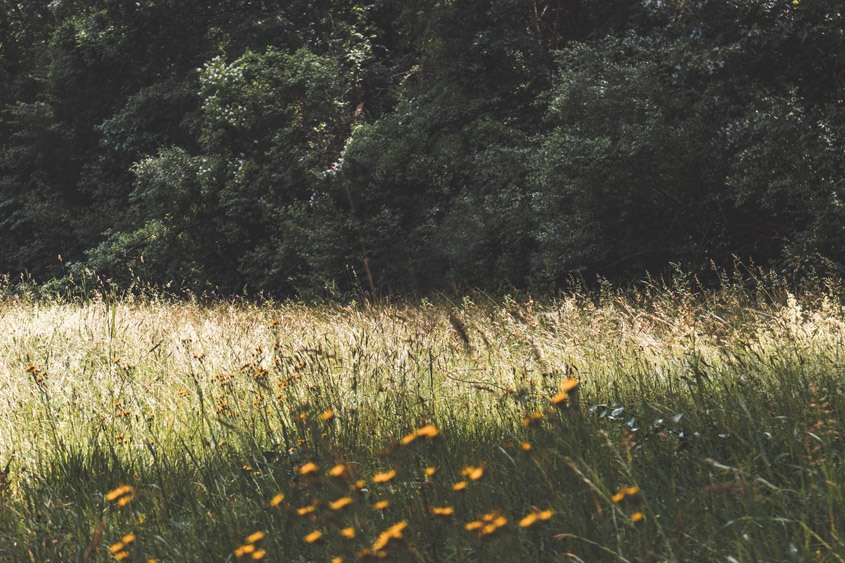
657	425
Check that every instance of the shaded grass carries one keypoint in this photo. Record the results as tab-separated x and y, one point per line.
724	409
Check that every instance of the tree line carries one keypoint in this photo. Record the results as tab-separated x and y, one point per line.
417	146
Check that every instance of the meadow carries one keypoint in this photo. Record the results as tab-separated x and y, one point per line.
661	423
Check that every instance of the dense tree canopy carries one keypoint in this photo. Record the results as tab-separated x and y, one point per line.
417	146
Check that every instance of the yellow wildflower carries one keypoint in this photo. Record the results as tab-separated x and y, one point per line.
473	473
313	536
530	419
442	510
303	510
116	547
337	471
395	532
428	431
529	520
472	526
384	477
119	492
408	439
559	399
340	503
569	385
309	468
637	517
255	537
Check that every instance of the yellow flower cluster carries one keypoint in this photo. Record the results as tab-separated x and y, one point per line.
120	550
442	510
384	476
248	548
536	516
625	492
568	389
488	524
122	495
428	431
394	533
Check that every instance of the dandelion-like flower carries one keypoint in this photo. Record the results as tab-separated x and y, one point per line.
337	471
327	415
381	505
532	418
473	473
277	500
488	524
536	516
249	547
120	550
246	549
305	510
348	533
313	536
570	384
442	510
255	537
340	503
625	492
408	439
637	518
528	521
459	486
559	399
309	468
122	495
384	477
428	431
395	532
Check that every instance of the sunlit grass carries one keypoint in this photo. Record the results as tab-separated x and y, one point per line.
661	424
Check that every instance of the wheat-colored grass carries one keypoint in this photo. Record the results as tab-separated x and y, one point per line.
197	407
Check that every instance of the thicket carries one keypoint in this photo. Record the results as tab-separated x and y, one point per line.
417	146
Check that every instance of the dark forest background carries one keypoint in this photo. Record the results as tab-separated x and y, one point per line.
417	146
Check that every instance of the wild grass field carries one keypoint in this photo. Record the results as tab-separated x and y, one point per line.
663	423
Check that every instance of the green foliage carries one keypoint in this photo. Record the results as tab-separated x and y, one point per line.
628	175
786	174
270	125
417	147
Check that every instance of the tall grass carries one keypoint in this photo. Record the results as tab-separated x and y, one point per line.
692	426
